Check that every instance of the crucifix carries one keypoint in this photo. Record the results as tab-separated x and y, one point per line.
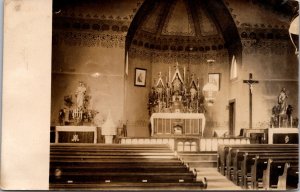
250	82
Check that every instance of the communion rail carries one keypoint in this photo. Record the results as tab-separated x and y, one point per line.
188	144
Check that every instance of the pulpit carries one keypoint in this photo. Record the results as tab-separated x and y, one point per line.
170	124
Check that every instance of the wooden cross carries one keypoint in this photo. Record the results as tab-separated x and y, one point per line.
250	82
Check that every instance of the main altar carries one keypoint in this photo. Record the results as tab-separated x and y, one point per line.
186	124
176	104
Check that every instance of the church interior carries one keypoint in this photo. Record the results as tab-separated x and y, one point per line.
174	94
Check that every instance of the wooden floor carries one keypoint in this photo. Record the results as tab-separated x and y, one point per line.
215	181
205	164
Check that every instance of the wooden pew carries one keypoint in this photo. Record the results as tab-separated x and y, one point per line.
254	164
239	157
275	168
261	164
290	177
223	151
236	155
113	167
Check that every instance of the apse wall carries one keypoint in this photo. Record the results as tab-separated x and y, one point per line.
180	31
156	62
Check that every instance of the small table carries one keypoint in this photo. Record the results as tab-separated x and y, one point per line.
75	129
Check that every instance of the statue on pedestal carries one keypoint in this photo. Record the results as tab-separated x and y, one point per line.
77	112
282	101
282	112
80	95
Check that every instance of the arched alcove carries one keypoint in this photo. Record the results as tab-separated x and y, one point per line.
187	32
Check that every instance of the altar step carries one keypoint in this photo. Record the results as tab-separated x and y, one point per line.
199	159
216	181
205	165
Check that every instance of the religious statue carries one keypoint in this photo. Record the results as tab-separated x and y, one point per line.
282	101
193	93
177	106
176	96
177	84
80	95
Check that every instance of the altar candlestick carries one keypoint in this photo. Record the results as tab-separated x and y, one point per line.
159	106
170	74
184	73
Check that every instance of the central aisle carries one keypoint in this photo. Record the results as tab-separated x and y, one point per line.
215	181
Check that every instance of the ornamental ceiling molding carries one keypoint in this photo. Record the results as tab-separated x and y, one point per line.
180	45
267	47
86	39
94	15
158	57
241	24
145	36
264	34
91	25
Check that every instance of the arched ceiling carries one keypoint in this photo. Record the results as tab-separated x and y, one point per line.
179	18
184	24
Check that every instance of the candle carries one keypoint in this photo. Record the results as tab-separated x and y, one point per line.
169	74
184	73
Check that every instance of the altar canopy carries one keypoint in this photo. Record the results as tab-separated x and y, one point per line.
177	124
179	92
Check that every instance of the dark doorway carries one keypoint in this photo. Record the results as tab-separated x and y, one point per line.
231	117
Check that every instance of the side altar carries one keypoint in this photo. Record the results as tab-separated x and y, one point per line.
176	104
77	121
75	134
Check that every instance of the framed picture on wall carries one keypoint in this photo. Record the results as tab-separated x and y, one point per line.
140	77
215	78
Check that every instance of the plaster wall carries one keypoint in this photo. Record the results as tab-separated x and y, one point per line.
136	102
274	72
72	64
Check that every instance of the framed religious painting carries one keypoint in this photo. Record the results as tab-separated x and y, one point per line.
140	77
215	78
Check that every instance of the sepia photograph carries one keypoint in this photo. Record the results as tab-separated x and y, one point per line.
140	77
186	95
214	78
